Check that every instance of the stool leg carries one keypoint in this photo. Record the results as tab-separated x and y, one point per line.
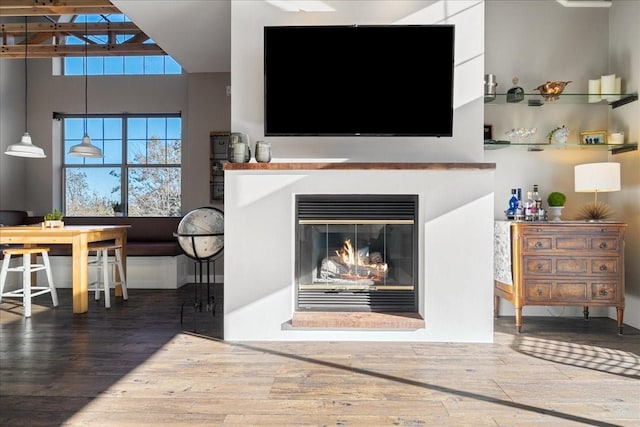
26	284
3	273
123	280
96	291
52	288
105	278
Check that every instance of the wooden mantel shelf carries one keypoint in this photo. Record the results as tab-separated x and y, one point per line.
281	166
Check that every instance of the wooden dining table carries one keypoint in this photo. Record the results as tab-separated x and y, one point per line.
79	237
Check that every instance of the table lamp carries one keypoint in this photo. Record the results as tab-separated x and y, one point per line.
597	178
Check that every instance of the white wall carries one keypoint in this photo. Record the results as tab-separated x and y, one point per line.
455	268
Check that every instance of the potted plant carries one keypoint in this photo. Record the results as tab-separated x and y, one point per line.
555	202
54	219
118	209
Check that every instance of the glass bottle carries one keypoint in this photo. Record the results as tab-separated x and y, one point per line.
529	207
513	203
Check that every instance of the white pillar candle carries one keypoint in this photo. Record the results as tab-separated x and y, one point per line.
594	90
616	138
608	85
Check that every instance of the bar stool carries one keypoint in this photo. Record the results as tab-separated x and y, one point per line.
27	292
101	263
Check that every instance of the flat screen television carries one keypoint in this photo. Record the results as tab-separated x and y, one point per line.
359	80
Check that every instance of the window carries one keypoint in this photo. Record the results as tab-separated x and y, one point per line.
142	154
115	65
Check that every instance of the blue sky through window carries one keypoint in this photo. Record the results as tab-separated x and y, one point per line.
116	65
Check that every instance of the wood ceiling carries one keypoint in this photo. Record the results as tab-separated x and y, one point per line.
48	22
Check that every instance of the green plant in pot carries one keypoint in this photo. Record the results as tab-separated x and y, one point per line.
54	218
555	203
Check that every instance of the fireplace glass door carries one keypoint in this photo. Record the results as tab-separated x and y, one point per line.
356	253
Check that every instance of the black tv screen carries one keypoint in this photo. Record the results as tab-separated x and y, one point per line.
366	80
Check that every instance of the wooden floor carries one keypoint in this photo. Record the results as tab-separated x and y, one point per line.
136	365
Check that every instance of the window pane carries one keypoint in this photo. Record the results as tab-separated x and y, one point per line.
154	191
171	66
95	128
112	151
113	128
153	65
174	128
137	128
133	65
156	128
114	65
136	151
90	191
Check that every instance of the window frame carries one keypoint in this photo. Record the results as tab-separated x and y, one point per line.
124	166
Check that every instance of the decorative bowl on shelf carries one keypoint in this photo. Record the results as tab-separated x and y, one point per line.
551	90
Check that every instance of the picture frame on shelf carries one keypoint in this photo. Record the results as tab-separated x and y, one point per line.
593	137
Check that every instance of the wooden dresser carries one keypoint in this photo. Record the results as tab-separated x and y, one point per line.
565	264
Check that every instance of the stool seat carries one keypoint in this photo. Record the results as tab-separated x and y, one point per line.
101	263
27	292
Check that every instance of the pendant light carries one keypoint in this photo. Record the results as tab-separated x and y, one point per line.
25	147
85	148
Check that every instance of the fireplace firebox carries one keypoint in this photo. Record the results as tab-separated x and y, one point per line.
357	252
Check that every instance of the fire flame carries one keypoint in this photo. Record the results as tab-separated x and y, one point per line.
349	256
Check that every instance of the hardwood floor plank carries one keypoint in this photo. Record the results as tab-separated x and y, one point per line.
136	365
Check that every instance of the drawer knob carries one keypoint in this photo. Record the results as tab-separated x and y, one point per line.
603	292
539	292
538	244
603	267
539	266
603	245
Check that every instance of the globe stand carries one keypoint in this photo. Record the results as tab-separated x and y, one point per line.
200	234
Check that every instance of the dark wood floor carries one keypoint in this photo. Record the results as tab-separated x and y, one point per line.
136	365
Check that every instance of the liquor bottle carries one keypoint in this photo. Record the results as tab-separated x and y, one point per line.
520	208
513	203
536	197
529	207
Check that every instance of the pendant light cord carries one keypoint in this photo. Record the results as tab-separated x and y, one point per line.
85	69
26	91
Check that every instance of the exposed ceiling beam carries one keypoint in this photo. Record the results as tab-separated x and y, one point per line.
55	7
46	38
51	51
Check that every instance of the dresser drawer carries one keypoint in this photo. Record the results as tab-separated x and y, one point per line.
604	291
611	244
604	266
552	291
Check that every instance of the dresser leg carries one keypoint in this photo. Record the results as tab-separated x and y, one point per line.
496	306
518	319
585	312
620	312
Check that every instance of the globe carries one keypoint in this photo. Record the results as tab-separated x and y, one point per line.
201	233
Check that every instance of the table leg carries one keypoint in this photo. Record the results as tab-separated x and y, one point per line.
122	241
80	260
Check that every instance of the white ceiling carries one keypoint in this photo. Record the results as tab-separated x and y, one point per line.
196	33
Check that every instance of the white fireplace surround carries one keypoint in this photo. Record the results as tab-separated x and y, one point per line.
455	271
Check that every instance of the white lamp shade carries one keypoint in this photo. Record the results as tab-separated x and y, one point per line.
597	177
85	148
25	148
